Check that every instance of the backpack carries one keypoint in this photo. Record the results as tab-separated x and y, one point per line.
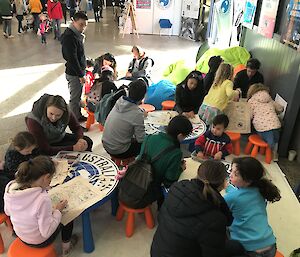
136	183
106	104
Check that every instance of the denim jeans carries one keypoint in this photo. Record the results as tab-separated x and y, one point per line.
269	253
271	137
7	26
36	21
75	88
56	26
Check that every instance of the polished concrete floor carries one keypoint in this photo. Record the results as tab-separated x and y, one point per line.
28	69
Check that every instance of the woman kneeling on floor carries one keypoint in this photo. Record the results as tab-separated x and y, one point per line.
48	120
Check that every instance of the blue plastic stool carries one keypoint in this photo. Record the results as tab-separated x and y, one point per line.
165	24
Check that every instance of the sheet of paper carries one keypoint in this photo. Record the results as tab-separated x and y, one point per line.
239	117
80	195
282	102
195	120
160	117
62	169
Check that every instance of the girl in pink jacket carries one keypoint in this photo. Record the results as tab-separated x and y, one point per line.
29	206
264	114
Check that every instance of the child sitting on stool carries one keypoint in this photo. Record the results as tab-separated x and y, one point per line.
214	143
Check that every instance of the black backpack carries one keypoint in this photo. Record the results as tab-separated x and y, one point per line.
138	179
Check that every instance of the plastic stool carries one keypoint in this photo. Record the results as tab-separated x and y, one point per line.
235	139
256	142
122	162
147	107
168	105
19	249
279	254
130	219
4	219
91	120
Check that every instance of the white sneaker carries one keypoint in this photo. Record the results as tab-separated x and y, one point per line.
10	36
67	252
5	35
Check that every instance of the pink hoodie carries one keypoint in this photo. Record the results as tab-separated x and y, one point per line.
31	213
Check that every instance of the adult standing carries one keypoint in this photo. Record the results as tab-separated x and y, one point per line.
48	120
64	9
83	6
73	5
245	78
73	52
55	14
20	9
35	8
96	8
6	14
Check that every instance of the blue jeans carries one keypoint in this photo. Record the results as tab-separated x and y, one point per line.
271	137
269	253
56	26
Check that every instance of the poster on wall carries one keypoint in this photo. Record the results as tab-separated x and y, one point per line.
267	18
249	14
143	4
291	33
224	15
190	9
238	13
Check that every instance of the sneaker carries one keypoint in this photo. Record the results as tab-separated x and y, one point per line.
82	119
5	35
74	241
10	36
275	156
84	129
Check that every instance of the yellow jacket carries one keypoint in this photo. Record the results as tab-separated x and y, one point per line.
35	6
219	96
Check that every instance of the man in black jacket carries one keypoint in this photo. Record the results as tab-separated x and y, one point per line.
245	78
73	52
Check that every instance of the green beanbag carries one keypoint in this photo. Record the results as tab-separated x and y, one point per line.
177	72
233	55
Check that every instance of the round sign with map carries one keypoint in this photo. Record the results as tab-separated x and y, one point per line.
98	170
164	3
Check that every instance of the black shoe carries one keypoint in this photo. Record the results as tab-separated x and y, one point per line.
84	129
82	119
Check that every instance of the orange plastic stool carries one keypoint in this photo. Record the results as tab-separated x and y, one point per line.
130	219
19	249
147	107
279	254
168	105
257	142
122	162
4	218
235	139
91	120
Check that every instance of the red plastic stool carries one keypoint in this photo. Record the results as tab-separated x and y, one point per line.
235	139
147	107
4	219
91	120
257	142
238	68
168	105
278	254
122	162
19	249
130	219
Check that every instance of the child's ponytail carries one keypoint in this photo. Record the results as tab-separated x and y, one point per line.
213	174
252	171
33	169
267	189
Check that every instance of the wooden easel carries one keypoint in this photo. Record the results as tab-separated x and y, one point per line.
131	13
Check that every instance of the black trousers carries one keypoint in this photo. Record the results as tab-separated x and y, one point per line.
97	14
132	151
66	234
19	18
71	139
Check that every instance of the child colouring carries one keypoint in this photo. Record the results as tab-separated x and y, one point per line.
264	115
30	209
214	143
22	148
247	202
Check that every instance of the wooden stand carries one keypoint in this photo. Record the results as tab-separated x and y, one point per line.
131	13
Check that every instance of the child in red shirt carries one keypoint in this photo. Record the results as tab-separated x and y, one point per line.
214	143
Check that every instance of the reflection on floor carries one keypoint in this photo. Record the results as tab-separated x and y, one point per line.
29	69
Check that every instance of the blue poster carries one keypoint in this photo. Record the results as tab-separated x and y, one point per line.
249	14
